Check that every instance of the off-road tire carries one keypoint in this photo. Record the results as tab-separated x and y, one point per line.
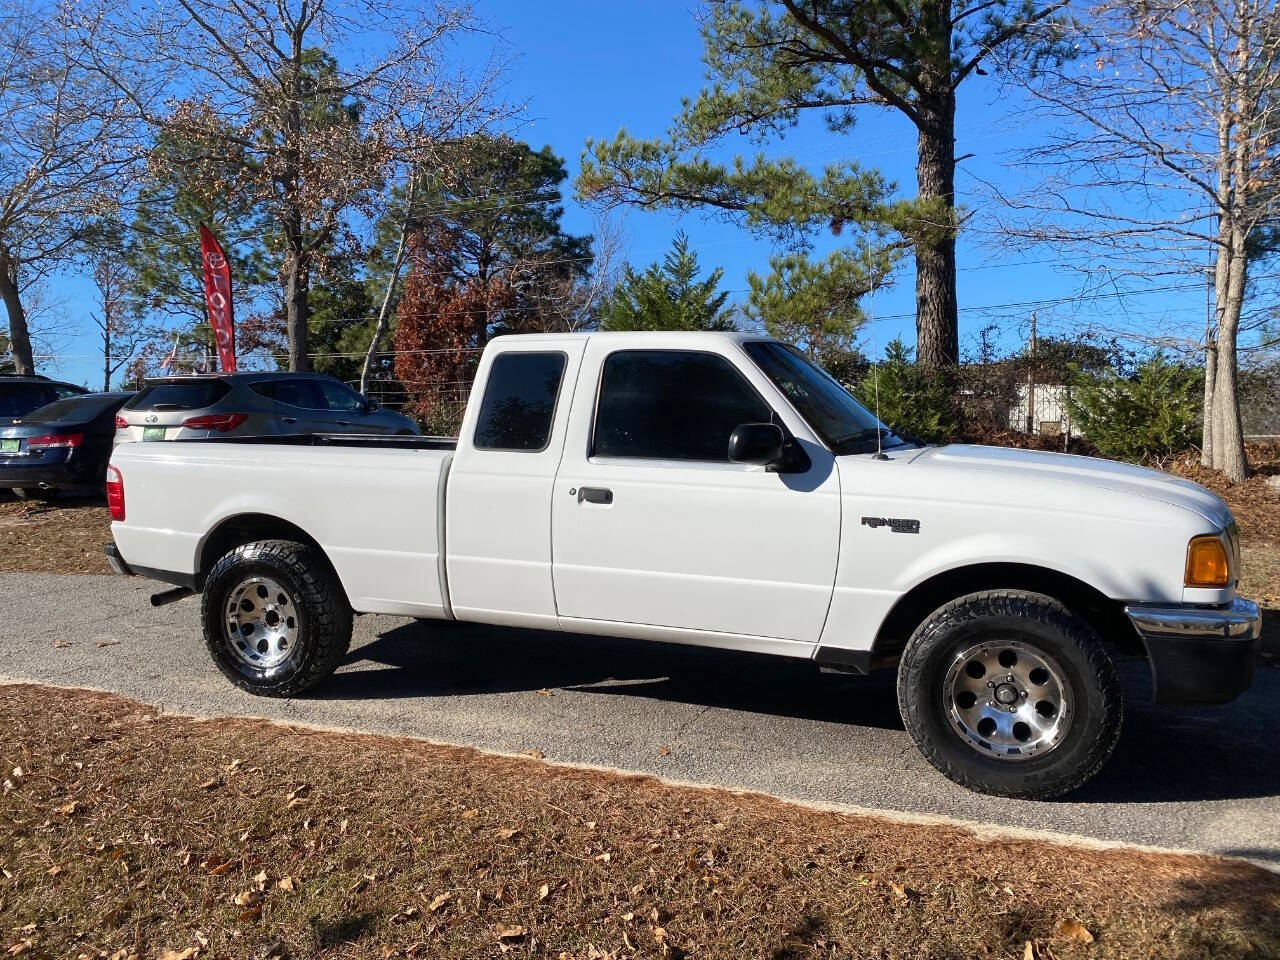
324	628
1044	624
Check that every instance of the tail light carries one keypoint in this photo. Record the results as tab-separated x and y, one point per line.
121	423
50	441
222	422
115	493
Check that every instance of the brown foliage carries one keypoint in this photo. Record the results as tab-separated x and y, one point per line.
442	325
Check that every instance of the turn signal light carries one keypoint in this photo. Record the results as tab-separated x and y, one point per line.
222	422
1207	563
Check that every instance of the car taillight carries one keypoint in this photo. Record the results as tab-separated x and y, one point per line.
222	422
121	423
50	441
115	493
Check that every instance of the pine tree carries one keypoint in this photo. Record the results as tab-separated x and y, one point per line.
669	296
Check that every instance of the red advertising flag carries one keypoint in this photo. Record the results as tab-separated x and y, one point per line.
217	297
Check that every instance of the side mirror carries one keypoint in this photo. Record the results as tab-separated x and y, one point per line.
762	443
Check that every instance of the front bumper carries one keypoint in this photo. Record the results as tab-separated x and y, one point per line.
1199	654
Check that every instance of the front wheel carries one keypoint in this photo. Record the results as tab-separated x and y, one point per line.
1007	692
276	620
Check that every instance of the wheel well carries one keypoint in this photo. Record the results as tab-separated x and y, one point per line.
248	528
1105	615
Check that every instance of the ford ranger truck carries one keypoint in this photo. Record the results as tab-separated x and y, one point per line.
715	489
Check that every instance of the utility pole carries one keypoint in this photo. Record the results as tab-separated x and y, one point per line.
1031	378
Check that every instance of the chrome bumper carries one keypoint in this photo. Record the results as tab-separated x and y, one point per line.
1238	620
1199	654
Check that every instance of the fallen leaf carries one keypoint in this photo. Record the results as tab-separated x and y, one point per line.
54	870
209	784
536	754
439	902
512	932
1073	930
1028	951
544	891
470	814
508	833
261	880
603	857
664	751
67	809
233	766
218	869
342	827
253	913
22	946
17	771
287	884
246	898
186	954
544	692
108	643
659	935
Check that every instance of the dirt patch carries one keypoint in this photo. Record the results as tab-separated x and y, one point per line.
125	830
58	536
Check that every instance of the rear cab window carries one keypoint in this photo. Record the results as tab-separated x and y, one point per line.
519	401
192	395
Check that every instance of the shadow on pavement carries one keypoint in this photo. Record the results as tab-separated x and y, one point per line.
440	659
1165	754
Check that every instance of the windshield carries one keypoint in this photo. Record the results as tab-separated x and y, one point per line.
845	425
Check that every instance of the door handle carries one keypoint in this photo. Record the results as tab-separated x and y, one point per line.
595	495
289	419
344	423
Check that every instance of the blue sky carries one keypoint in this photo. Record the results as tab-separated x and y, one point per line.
587	69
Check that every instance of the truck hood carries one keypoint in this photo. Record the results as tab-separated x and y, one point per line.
1092	472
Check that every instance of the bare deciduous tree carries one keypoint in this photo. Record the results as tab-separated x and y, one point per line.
317	131
118	319
66	142
1169	152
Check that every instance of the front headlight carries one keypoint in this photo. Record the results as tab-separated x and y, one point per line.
1207	562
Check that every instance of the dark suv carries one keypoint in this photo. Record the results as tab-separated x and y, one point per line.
20	394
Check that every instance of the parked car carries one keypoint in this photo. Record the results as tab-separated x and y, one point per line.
721	490
253	405
20	394
60	447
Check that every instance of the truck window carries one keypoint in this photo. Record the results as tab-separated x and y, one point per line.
672	405
519	401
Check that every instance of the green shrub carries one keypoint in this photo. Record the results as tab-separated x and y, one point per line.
1154	413
906	399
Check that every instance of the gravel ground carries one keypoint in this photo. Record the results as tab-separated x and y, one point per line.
1205	779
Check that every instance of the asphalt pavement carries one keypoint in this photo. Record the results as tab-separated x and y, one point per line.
1204	779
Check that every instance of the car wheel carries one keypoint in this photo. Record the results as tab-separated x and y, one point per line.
276	620
1009	693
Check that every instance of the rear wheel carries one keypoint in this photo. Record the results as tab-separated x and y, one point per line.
1009	693
276	620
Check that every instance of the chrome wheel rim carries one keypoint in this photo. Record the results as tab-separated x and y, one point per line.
261	623
1007	699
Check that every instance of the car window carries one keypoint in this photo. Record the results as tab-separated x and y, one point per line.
519	401
341	397
303	392
188	395
19	399
76	408
672	405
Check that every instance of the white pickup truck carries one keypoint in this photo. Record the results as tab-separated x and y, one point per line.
722	490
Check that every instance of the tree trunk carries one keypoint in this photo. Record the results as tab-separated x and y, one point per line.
937	311
380	328
1208	414
1228	432
106	351
297	310
19	336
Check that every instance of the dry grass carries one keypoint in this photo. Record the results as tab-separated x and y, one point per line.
126	830
61	536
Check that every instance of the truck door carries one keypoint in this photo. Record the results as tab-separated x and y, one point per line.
651	523
498	499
